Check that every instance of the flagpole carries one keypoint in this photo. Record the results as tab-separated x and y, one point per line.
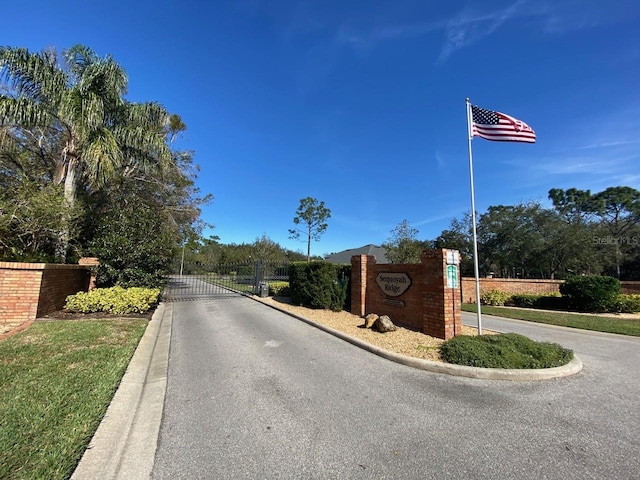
473	220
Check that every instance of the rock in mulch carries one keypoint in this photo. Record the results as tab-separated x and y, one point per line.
383	324
369	319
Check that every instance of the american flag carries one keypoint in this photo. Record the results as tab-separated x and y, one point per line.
500	127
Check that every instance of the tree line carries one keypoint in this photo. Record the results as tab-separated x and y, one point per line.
310	223
583	233
209	251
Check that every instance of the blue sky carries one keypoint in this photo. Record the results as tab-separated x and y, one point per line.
361	104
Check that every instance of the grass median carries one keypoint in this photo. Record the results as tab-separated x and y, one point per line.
56	381
600	323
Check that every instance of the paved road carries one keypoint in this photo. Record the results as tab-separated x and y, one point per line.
253	393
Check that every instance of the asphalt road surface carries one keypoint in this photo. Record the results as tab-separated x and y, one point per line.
255	394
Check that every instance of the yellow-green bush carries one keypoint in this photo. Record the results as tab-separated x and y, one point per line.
116	300
494	298
279	289
625	303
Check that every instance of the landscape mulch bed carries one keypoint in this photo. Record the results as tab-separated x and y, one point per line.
403	341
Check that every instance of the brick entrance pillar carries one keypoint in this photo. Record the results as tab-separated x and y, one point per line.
441	315
90	262
359	264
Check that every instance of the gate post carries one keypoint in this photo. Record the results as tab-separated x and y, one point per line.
256	277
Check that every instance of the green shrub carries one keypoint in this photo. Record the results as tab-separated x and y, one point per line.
116	300
338	295
508	350
129	277
279	289
319	285
135	246
625	303
523	300
344	277
495	298
552	302
549	301
590	293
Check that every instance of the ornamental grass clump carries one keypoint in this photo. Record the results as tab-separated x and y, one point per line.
508	350
116	300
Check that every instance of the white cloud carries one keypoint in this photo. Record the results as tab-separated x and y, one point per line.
469	27
472	24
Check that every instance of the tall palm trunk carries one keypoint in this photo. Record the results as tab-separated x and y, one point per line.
70	176
71	181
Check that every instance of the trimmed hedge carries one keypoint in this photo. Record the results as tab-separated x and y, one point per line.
524	300
508	350
320	285
116	300
585	294
591	293
543	302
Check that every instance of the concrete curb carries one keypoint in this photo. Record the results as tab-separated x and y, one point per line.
573	367
125	443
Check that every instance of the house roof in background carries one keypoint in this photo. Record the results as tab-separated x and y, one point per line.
345	256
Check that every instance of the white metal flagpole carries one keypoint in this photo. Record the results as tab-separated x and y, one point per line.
473	219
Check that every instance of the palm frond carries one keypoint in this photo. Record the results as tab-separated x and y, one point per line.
150	115
23	112
106	78
85	112
149	149
78	58
32	75
102	157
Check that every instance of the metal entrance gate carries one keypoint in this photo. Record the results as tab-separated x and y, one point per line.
197	281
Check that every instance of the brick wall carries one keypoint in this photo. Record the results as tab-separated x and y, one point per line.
30	290
427	305
630	287
508	285
58	282
518	286
19	290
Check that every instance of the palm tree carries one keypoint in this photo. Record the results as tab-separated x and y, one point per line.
73	111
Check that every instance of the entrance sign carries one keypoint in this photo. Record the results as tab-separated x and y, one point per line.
393	284
414	295
452	276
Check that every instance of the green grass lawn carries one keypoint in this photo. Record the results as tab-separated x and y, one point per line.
600	323
56	380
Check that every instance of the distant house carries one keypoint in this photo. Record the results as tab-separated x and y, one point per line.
345	256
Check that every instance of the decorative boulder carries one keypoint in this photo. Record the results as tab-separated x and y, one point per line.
384	324
369	319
